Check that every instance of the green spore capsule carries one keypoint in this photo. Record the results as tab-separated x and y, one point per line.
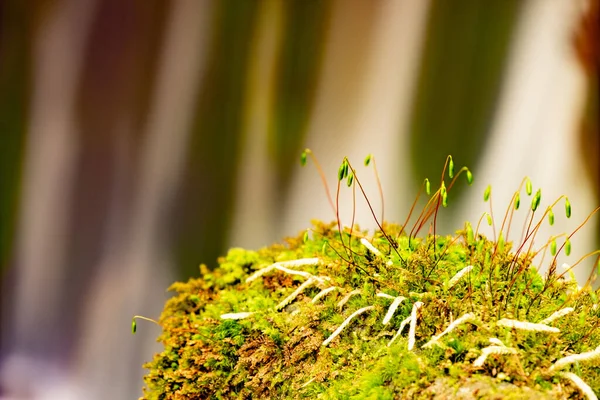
568	247
528	187
517	201
551	217
567	207
444	194
368	160
451	167
303	157
487	193
133	326
350	179
553	247
427	187
469	177
342	171
535	203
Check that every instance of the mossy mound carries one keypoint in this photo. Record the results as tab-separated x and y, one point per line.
281	349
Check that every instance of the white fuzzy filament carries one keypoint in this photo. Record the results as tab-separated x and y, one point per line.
392	309
294	272
577	381
413	324
527	326
557	314
371	248
347	297
496	341
563	362
260	272
295	294
302	262
240	315
459	275
492	350
402	325
450	328
323	293
345	323
282	266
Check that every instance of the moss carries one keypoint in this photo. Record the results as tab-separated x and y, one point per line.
280	353
330	326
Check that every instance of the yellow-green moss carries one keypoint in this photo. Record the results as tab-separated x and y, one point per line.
280	354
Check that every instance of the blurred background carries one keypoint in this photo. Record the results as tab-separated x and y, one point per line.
139	139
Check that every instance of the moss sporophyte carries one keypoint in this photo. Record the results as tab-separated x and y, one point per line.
339	313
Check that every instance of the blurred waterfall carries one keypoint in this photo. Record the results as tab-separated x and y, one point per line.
142	139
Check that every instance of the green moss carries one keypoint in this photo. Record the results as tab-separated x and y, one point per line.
280	354
256	327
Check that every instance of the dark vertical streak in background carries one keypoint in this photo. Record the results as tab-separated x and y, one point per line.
586	43
297	75
462	67
15	81
203	213
113	99
16	33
